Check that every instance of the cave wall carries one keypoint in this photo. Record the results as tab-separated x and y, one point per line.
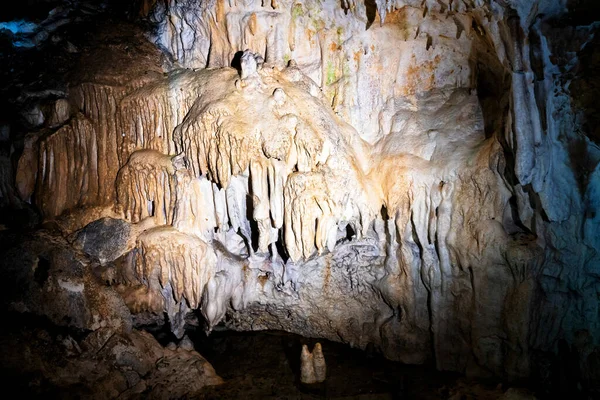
406	174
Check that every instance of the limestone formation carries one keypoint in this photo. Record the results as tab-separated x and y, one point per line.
312	365
307	368
319	363
411	175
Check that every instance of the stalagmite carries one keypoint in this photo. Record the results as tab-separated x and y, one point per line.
312	365
307	368
319	363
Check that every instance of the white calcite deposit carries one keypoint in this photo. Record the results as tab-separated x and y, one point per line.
393	173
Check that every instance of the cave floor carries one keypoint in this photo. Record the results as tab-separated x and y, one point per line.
266	365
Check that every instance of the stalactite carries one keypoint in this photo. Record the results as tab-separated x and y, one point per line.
195	211
68	168
150	114
168	257
100	104
146	187
221	143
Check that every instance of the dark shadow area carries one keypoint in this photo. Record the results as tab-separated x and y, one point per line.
493	88
40	275
585	89
384	213
515	219
582	12
350	232
266	364
537	66
371	7
30	9
280	247
236	62
161	332
22	219
254	234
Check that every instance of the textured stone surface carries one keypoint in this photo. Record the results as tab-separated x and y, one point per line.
102	365
46	277
71	334
408	175
104	239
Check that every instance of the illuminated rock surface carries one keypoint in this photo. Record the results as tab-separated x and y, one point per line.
413	176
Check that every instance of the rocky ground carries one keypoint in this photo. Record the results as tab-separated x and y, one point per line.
266	365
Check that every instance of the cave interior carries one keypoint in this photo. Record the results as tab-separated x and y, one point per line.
370	199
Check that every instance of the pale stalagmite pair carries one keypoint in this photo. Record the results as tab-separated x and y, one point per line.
312	365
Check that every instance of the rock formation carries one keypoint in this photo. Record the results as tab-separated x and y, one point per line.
312	365
319	363
412	175
307	368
